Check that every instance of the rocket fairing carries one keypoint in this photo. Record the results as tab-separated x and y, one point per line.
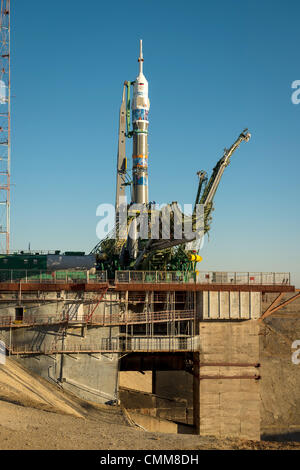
140	111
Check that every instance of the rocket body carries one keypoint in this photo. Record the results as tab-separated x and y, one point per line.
140	111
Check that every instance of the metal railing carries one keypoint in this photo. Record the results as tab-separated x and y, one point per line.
266	278
34	252
100	319
56	277
155	277
143	317
144	277
117	345
8	321
202	277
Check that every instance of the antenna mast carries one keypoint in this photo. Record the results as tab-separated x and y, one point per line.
5	137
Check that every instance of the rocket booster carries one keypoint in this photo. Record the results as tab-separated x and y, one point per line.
140	111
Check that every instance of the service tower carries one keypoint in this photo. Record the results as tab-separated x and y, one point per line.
140	111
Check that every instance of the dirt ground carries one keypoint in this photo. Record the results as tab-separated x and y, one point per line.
102	428
36	415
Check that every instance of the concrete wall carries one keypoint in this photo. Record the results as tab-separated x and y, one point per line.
91	376
141	380
53	304
226	305
280	384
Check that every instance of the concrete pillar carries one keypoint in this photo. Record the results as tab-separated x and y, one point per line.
234	305
213	304
226	383
245	304
224	304
255	304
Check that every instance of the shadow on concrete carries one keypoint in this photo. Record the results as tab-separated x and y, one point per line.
185	429
282	437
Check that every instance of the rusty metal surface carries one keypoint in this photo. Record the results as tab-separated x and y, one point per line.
52	287
204	287
99	319
167	287
270	308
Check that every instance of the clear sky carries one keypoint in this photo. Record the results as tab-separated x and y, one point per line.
213	68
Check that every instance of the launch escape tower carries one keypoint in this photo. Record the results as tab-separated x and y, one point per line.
130	251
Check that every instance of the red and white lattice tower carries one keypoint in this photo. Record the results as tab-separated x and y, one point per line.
5	148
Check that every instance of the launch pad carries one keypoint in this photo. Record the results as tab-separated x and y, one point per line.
139	303
82	336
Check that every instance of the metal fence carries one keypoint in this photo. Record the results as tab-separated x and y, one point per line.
28	276
221	277
144	277
118	344
163	343
158	277
202	277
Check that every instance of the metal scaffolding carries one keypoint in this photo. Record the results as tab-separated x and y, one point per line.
5	137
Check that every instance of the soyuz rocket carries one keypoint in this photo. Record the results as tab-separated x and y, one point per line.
133	228
140	112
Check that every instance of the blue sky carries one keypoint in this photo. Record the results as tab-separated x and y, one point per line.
213	68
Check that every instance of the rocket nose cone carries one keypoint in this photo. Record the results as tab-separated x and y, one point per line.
141	48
